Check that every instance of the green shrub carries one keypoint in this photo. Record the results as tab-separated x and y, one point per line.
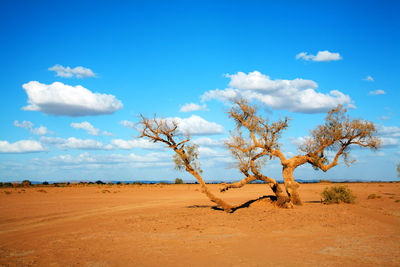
337	194
178	181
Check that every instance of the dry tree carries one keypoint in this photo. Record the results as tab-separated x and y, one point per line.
337	135
186	154
256	140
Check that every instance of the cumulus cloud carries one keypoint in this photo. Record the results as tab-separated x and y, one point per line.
87	127
64	100
323	56
22	146
73	143
41	130
134	143
192	107
369	78
67	72
196	125
377	92
88	160
296	95
389	135
208	142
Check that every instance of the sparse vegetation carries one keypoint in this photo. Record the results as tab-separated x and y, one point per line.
325	181
26	183
178	181
337	194
42	191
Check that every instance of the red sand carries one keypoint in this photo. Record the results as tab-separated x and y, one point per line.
175	225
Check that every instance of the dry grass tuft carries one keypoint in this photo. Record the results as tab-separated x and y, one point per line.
337	194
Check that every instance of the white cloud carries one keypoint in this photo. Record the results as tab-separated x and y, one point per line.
208	142
390	142
61	99
323	56
73	143
369	78
41	130
134	143
377	92
22	146
196	125
128	124
392	131
296	95
192	107
87	160
67	72
87	127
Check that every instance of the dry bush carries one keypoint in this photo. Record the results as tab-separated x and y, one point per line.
105	191
337	194
42	191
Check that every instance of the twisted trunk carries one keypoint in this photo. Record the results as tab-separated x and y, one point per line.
291	185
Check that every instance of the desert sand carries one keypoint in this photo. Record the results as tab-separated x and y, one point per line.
176	225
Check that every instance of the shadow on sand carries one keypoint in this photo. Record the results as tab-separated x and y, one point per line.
241	206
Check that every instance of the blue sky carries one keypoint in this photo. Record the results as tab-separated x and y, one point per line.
75	76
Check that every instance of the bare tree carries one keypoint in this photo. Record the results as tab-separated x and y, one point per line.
186	154
338	135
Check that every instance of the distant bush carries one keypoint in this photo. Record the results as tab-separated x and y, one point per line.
26	183
99	182
45	183
137	183
325	181
337	194
373	196
178	181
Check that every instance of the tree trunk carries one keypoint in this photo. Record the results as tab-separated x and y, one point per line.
225	206
282	199
291	185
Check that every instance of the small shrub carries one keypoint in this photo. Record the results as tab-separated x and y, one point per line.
325	181
26	183
42	191
373	196
337	194
7	192
105	191
397	200
178	181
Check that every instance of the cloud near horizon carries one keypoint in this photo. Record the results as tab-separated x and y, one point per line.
321	56
64	100
296	95
22	146
67	72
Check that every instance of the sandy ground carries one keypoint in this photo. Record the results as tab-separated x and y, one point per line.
175	225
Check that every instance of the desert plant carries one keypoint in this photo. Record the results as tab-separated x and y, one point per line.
45	183
337	194
26	183
256	140
178	181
